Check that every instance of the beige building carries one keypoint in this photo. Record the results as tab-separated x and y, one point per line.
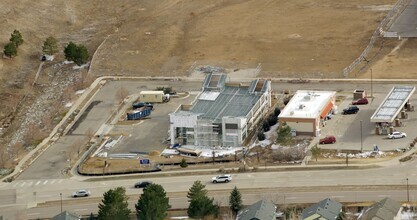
151	96
307	110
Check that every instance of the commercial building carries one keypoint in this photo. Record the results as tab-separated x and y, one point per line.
151	96
307	110
223	114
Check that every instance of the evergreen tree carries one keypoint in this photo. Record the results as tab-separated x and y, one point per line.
81	55
10	50
202	206
183	163
50	46
315	151
153	203
70	51
235	201
16	38
284	135
114	205
197	189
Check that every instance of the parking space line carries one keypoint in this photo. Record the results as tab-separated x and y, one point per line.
30	183
60	181
53	181
23	184
45	182
37	183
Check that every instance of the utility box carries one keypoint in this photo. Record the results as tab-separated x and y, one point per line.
359	94
151	96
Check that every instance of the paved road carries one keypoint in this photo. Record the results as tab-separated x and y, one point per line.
406	24
364	185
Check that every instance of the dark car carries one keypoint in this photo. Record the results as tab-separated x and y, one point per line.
142	104
363	101
350	110
142	184
328	140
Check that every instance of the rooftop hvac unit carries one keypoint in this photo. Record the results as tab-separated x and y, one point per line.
307	97
291	112
301	106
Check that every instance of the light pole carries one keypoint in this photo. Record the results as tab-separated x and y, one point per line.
372	94
408	193
361	137
60	194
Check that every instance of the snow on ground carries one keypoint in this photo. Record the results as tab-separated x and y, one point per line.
68	104
408	215
218	151
67	62
361	155
79	92
76	67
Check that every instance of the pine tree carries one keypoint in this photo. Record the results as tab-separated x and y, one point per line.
183	163
202	206
153	203
114	205
16	38
10	50
50	46
81	55
70	51
235	201
197	189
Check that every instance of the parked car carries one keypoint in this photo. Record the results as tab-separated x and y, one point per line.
363	101
81	193
328	140
222	179
397	134
350	110
143	184
142	104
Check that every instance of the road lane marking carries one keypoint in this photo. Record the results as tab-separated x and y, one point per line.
30	183
53	181
384	196
77	210
37	183
290	197
23	184
45	182
60	181
338	196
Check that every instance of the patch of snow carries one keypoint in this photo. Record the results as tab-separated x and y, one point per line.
49	57
68	104
272	131
76	67
67	62
408	215
79	92
265	143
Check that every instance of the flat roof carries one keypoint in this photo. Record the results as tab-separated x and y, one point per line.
152	92
393	103
306	104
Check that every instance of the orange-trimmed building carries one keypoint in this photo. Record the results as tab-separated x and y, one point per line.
307	111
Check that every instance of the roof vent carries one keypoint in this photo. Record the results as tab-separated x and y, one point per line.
307	97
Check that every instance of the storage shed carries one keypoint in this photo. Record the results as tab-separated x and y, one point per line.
151	96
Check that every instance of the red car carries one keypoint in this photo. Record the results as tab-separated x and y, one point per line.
363	101
328	140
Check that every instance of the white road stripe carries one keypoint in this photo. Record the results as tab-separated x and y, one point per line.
53	181
77	210
338	196
384	196
37	183
45	182
60	181
30	183
23	184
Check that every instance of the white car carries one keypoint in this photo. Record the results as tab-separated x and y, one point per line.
222	179
81	193
397	134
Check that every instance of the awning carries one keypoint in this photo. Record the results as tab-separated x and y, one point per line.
326	110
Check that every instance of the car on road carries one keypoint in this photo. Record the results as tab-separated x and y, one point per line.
350	110
397	134
328	140
81	193
363	101
143	184
222	179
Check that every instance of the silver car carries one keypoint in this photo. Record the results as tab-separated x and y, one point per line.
397	134
81	193
222	179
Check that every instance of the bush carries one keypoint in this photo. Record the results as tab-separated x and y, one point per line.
284	135
10	50
265	126
277	111
77	53
261	136
183	163
272	120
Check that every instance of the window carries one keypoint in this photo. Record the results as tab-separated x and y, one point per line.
231	126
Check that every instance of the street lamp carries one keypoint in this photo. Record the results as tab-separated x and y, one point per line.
408	193
60	194
361	138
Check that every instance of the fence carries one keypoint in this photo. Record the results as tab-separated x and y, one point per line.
377	33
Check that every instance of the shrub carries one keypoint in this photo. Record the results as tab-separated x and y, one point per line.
183	163
261	136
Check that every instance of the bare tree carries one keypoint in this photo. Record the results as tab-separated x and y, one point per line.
121	94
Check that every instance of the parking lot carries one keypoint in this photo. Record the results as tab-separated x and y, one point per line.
144	136
347	128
